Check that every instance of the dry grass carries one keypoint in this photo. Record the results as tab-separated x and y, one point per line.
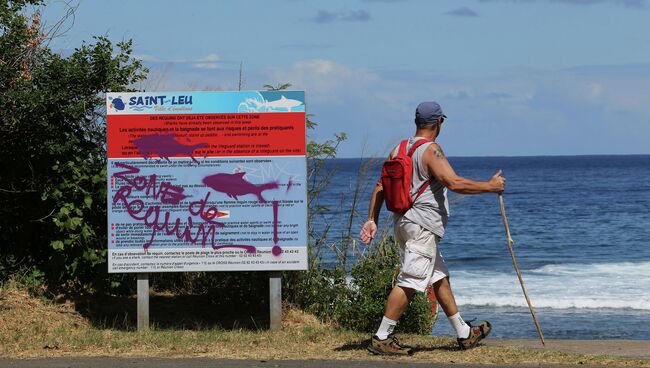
31	327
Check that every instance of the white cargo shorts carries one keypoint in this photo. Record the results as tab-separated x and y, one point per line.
421	262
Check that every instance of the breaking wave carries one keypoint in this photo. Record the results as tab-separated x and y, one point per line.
624	285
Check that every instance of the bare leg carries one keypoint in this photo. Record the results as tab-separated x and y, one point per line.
398	301
445	297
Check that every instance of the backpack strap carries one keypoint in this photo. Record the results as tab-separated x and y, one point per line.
402	147
415	146
422	189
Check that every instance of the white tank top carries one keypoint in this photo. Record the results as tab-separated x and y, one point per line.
431	208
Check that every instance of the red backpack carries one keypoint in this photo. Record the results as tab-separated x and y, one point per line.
396	178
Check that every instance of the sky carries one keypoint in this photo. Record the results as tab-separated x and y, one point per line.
514	77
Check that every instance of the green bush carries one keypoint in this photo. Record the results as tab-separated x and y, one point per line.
372	280
319	291
358	304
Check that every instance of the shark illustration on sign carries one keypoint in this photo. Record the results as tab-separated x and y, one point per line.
282	104
234	185
165	146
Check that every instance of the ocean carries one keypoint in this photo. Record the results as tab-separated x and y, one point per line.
581	226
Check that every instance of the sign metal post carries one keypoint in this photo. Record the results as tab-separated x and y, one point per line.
143	302
275	300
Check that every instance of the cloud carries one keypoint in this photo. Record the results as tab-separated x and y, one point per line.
637	4
326	78
522	111
324	16
498	95
208	62
463	12
206	65
211	57
145	57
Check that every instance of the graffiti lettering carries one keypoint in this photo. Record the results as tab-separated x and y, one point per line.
166	192
151	214
276	250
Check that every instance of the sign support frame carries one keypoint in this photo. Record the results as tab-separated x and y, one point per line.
143	302
275	300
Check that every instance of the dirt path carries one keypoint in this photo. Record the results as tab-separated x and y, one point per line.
226	363
622	348
637	349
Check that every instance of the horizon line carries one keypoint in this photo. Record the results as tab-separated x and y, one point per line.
514	156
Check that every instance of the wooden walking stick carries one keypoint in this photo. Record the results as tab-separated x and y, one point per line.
514	262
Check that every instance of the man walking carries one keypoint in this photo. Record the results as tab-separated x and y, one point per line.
418	232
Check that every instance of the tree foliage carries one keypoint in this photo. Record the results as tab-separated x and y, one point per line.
52	178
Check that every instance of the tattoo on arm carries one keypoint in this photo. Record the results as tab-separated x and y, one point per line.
438	152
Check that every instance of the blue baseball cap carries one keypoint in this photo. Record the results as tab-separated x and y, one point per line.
427	113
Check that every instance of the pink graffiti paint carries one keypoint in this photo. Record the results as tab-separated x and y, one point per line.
289	185
166	192
275	222
207	215
234	185
276	250
160	221
247	248
165	146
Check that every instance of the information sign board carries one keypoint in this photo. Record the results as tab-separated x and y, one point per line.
206	181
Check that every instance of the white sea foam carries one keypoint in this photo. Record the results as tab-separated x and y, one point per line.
624	285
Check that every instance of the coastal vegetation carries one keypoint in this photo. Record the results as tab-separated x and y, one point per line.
53	174
53	190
